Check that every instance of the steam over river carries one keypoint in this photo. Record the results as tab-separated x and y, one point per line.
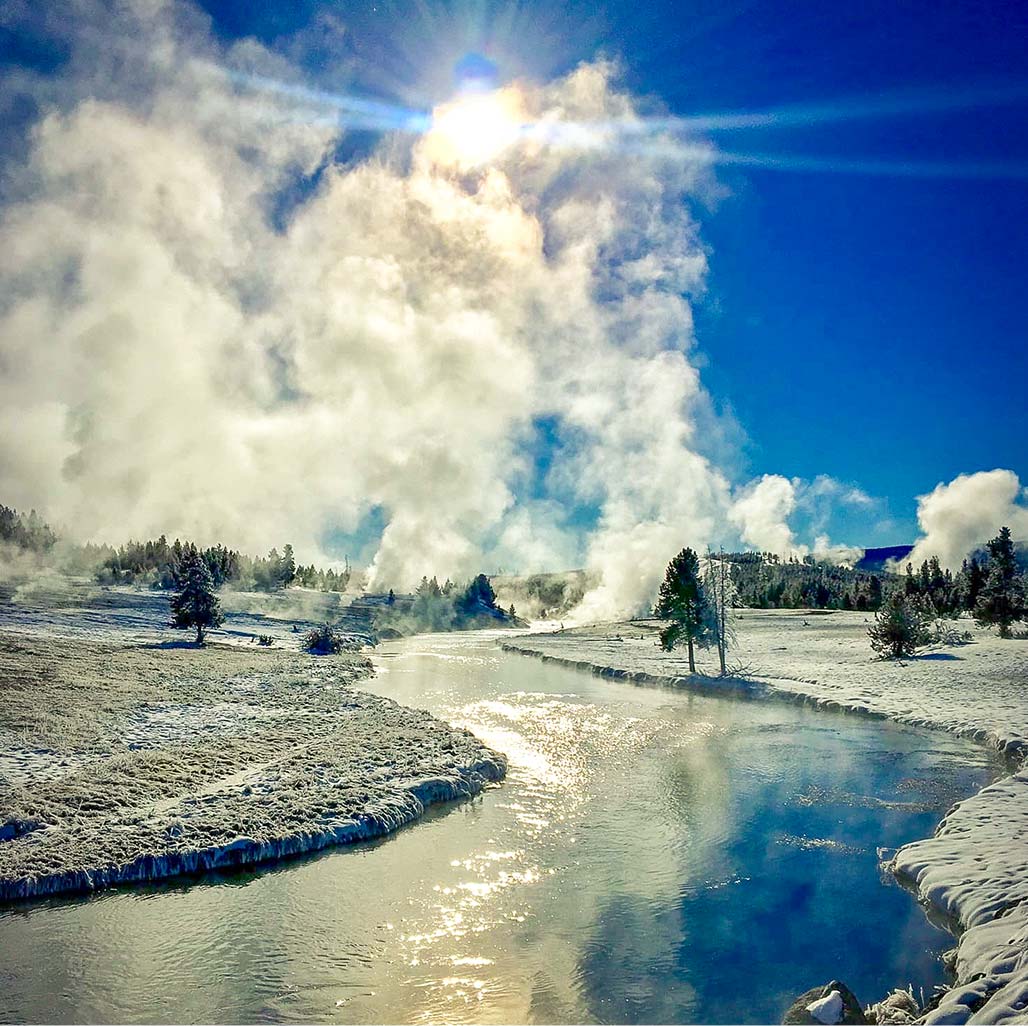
652	856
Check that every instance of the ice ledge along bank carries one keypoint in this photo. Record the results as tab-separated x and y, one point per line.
378	818
975	868
196	761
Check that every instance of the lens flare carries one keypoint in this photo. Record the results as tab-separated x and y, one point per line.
482	122
475	129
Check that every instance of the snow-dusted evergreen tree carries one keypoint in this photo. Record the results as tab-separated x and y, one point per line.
478	596
196	604
683	604
287	567
971	580
901	626
1001	602
719	591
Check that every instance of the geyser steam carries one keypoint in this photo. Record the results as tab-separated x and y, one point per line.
195	341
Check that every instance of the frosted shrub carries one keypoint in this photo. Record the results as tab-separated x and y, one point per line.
947	634
322	641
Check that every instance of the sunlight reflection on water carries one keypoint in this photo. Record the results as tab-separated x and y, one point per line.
643	843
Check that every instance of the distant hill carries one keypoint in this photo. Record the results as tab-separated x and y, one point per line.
874	560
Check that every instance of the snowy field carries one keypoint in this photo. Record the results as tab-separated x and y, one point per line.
52	605
975	870
127	754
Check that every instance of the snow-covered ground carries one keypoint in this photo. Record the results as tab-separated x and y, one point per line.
52	605
975	870
126	754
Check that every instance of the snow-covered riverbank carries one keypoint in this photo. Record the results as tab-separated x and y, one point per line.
975	870
127	762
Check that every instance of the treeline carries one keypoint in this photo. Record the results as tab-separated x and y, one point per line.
943	592
975	587
545	595
159	564
990	585
993	589
447	607
30	532
764	580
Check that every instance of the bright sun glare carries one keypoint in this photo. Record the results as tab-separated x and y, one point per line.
476	128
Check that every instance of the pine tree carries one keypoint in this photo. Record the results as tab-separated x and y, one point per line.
924	579
196	605
972	579
949	587
682	602
900	627
911	582
287	567
1002	601
477	596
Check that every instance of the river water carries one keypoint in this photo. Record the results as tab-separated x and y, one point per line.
653	856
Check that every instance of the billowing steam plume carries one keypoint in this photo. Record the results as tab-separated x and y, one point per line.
208	327
960	516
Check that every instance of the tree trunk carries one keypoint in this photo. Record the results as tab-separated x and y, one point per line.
199	634
722	618
692	659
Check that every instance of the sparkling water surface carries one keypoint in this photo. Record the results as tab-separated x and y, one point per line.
653	856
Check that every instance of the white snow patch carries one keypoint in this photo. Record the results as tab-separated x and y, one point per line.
827	1009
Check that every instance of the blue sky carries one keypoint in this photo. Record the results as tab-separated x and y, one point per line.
867	325
850	284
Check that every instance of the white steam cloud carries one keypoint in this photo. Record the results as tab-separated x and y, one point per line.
959	516
185	352
762	509
761	513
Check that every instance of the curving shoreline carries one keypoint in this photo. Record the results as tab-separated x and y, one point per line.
975	868
235	756
204	760
377	820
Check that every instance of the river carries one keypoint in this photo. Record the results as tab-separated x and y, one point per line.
653	856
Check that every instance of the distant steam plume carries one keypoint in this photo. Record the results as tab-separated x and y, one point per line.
959	516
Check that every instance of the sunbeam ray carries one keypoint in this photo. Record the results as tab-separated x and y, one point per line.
673	137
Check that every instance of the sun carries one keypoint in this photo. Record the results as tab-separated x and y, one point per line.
474	129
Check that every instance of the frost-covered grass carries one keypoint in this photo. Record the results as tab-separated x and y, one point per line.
54	606
127	762
975	870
